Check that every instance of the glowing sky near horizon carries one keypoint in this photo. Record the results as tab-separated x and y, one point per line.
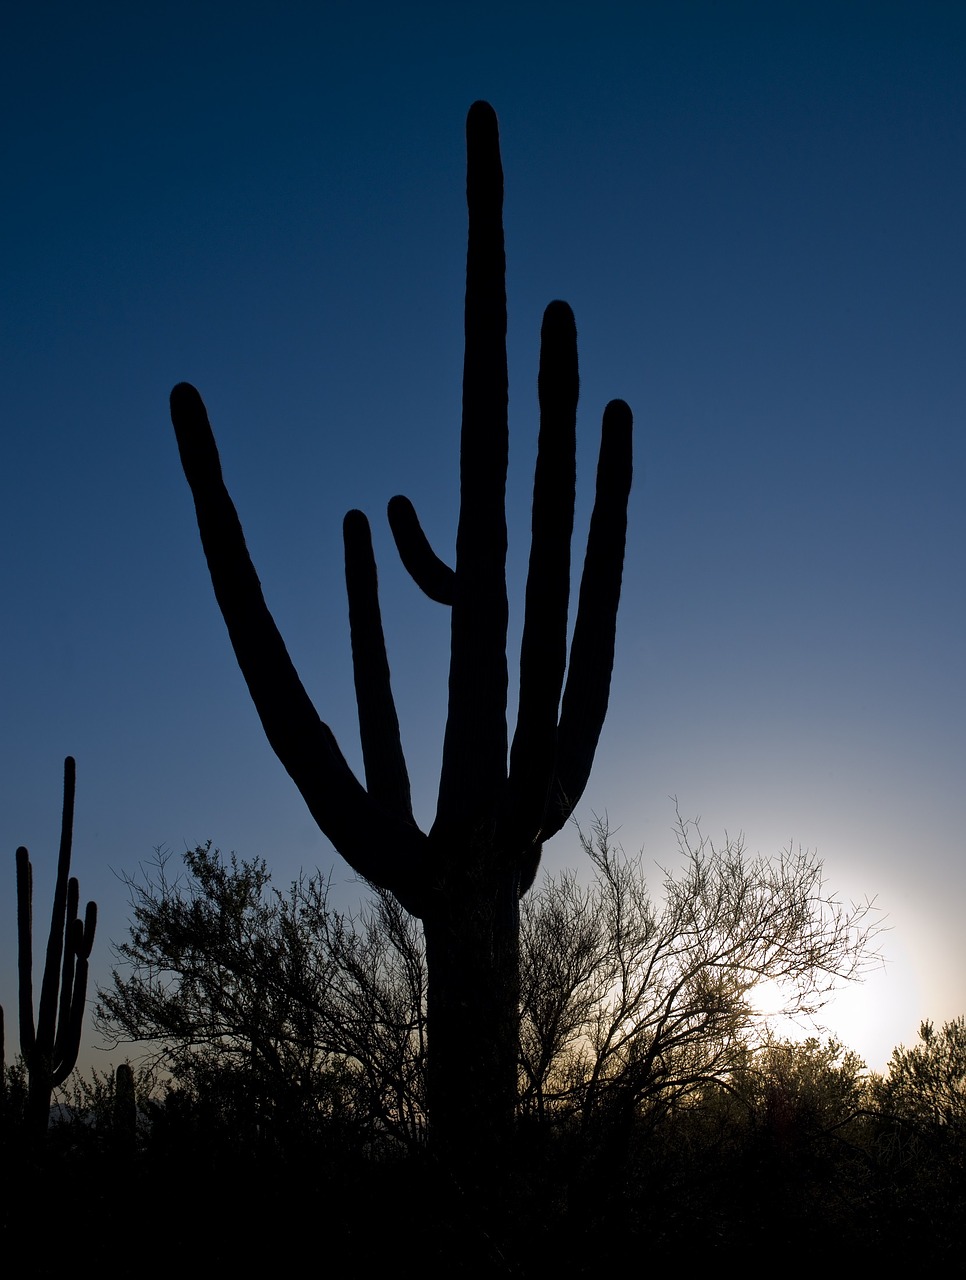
756	212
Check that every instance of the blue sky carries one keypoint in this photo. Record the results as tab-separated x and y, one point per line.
756	212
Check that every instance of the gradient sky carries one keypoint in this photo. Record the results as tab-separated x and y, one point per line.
757	212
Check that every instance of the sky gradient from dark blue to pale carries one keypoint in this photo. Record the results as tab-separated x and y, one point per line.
756	212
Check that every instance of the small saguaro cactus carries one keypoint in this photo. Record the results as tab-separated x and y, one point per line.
499	800
50	1046
125	1113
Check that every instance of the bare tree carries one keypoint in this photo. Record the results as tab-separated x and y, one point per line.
277	995
628	998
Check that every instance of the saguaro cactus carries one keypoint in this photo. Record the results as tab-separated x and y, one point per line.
465	876
125	1111
50	1047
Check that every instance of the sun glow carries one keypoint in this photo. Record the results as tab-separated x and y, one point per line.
770	1002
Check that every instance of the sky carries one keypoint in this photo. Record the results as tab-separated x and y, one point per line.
756	211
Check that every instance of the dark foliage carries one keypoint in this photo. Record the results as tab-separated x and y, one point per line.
790	1155
304	1011
273	1005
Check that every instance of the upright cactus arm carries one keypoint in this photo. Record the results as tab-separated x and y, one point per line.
79	935
474	766
387	779
433	577
67	1045
25	960
377	843
592	647
59	928
543	653
73	934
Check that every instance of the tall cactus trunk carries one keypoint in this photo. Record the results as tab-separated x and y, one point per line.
499	800
473	964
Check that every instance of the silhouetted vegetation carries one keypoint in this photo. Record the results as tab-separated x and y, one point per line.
295	1011
498	800
787	1151
623	999
656	1111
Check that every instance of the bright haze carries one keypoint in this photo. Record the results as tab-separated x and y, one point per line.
757	213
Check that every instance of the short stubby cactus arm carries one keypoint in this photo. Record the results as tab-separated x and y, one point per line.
543	651
387	779
474	766
433	577
592	647
380	846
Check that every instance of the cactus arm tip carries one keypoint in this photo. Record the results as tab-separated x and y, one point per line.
387	778
587	689
431	574
543	651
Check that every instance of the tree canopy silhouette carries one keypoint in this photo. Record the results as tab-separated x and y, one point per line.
498	800
630	1000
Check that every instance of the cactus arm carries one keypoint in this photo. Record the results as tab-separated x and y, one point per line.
73	983
592	646
474	766
47	1013
69	1033
529	866
433	577
74	935
543	653
85	942
387	779
373	842
25	882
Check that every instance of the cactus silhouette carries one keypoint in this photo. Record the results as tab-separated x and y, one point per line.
124	1113
50	1046
496	806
